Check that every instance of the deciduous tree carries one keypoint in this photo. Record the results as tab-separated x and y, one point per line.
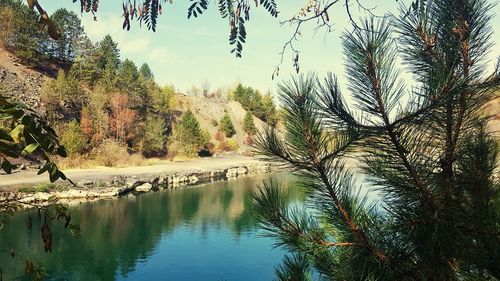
122	119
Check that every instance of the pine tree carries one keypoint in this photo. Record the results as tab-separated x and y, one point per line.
108	53
227	126
71	29
145	72
189	134
248	125
431	208
26	42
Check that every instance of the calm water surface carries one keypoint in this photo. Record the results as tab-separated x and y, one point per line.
198	233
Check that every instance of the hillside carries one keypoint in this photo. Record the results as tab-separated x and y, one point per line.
19	82
24	84
208	110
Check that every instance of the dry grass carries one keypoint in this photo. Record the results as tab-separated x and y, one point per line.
109	154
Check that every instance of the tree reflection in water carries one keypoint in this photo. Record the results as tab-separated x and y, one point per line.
117	234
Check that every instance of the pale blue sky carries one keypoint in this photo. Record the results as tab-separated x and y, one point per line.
188	52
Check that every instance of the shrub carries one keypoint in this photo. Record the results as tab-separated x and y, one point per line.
227	126
74	139
229	145
232	145
214	123
110	153
207	150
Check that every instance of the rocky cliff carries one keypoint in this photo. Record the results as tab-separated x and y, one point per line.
20	83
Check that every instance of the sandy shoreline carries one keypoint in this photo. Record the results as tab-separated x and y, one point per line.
198	165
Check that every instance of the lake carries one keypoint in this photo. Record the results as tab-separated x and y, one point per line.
197	233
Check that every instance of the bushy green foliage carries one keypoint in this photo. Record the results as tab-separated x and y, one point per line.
62	96
227	126
154	140
84	67
72	34
145	72
73	139
23	133
108	54
161	99
248	125
23	38
94	116
127	77
189	135
261	106
428	163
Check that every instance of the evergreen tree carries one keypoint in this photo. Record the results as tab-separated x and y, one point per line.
226	125
261	106
145	72
72	33
23	38
189	134
84	66
269	114
108	54
431	212
127	76
248	125
154	140
127	81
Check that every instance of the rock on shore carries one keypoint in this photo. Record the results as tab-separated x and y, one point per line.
124	185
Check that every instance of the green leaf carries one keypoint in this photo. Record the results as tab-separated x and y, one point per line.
8	149
30	148
7	166
62	175
54	174
5	136
16	133
45	168
62	151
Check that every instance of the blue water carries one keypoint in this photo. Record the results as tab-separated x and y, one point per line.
198	233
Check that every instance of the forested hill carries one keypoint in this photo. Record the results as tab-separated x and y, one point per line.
109	111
